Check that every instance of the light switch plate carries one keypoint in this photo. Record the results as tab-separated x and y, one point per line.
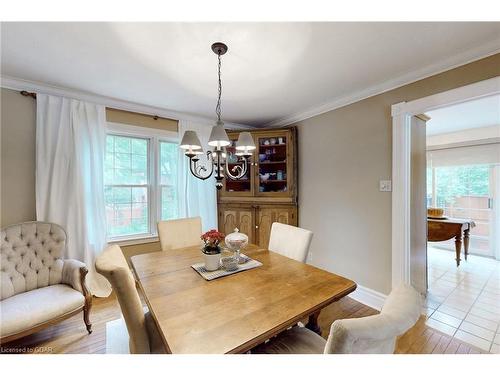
385	185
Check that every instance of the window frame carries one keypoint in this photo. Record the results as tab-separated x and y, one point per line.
154	137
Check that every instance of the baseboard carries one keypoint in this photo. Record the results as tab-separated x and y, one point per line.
369	297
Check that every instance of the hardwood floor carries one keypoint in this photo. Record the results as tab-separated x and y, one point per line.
71	336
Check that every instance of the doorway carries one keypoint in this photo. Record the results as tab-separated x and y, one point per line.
467	297
463	161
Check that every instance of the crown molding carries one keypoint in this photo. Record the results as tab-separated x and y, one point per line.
19	84
460	59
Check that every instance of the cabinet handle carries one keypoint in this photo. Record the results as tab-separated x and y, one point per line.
256	227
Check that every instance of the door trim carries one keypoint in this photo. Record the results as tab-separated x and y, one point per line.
401	117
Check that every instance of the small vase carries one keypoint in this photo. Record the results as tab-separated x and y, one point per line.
212	261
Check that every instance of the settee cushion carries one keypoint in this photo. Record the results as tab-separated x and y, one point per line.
30	257
27	310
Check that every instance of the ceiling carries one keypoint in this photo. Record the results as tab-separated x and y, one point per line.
272	70
478	113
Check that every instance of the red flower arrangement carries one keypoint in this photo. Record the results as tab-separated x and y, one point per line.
212	239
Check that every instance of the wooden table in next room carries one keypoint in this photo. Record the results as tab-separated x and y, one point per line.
446	229
232	314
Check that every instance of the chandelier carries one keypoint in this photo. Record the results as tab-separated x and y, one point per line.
216	158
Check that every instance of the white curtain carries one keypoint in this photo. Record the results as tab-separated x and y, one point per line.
196	197
70	141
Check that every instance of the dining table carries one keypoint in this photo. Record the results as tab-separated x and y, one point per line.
443	229
234	313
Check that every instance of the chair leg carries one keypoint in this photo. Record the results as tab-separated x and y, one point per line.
88	300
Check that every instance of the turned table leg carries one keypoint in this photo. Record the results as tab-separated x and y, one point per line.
312	324
466	243
458	247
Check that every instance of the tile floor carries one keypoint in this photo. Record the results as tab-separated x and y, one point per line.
464	301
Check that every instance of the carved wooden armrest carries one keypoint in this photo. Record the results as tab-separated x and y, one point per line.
74	274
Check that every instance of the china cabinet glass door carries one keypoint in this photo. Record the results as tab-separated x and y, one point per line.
274	166
243	186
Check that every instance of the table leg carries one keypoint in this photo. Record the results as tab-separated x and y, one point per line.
312	324
458	247
466	243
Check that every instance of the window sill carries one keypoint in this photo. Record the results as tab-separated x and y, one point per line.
128	241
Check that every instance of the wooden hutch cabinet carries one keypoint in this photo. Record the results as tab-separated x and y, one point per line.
268	193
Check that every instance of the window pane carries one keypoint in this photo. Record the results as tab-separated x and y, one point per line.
168	163
464	192
122	144
126	218
169	203
168	180
139	195
461	181
127	207
121	194
139	147
122	161
126	161
429	187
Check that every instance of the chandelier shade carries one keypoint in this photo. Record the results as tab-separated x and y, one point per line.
218	136
190	141
245	142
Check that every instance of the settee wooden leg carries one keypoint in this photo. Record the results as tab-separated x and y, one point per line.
86	318
88	299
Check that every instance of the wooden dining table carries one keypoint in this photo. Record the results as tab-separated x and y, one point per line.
234	313
444	229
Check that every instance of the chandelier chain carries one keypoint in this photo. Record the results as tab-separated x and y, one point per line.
218	107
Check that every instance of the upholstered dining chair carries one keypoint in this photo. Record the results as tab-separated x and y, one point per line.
290	241
375	334
176	234
143	334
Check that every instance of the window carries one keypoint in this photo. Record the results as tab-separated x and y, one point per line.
461	180
168	180
140	178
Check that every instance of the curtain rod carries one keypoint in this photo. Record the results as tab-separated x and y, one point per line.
26	93
33	95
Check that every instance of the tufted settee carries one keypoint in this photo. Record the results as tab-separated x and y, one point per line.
38	287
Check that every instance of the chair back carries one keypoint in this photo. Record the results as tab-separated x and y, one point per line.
176	234
113	266
290	241
377	333
31	257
